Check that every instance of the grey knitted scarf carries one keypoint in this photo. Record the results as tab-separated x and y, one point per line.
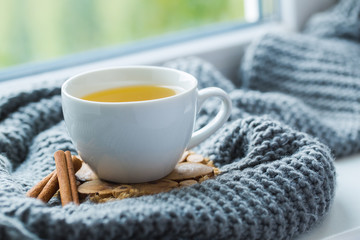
298	106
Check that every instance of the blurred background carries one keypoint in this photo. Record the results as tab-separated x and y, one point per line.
40	30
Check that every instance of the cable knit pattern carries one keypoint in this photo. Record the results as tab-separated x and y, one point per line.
300	97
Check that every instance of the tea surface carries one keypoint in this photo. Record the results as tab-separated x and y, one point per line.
130	94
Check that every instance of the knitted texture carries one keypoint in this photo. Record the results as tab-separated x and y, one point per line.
277	178
319	70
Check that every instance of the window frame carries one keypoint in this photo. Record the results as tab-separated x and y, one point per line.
295	13
105	53
223	46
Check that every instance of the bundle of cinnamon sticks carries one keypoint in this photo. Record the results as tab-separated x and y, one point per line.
63	178
191	169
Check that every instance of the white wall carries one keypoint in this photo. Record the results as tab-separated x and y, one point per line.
295	13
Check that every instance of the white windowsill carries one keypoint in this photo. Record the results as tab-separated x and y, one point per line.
343	219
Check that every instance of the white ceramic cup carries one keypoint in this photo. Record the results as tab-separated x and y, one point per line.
130	142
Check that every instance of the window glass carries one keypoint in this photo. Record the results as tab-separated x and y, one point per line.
38	30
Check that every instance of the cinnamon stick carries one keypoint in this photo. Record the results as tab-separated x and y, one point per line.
71	172
77	163
63	177
52	185
35	190
49	189
48	186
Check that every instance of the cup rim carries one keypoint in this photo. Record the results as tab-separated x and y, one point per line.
140	67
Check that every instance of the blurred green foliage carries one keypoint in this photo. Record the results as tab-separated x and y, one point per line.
35	30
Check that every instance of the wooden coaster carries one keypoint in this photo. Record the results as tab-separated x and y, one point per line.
191	169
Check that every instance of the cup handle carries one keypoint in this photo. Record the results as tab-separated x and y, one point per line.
220	118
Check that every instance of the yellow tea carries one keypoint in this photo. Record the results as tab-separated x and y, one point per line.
130	94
